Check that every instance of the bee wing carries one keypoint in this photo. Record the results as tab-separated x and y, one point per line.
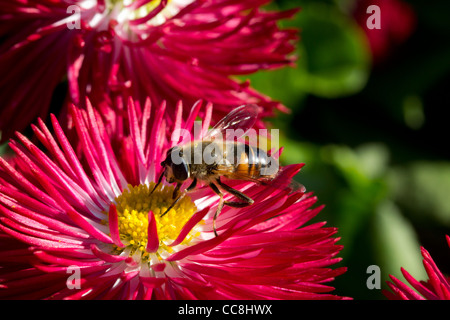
283	184
296	186
281	181
278	181
243	117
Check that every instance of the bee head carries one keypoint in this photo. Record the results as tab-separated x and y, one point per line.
176	167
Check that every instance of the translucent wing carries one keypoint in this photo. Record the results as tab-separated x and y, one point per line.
279	181
240	120
293	186
284	180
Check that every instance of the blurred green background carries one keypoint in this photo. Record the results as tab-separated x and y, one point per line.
369	123
368	120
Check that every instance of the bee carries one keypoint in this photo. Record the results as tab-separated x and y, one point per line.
210	159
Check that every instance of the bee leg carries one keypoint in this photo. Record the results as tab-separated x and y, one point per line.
173	204
158	183
246	199
176	191
192	185
175	195
219	207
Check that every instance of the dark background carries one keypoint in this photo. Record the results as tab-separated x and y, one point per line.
369	121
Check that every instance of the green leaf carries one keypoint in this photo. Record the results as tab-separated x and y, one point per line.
396	243
422	189
335	50
286	85
333	58
3	147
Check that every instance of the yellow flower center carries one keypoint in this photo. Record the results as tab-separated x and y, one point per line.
133	207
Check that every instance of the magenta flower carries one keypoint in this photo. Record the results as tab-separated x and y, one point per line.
436	288
166	50
59	214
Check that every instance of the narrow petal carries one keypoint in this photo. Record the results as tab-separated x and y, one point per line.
152	232
88	227
112	258
114	226
196	218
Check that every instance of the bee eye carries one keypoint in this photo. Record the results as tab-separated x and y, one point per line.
180	171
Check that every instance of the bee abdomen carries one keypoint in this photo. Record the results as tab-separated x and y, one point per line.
252	161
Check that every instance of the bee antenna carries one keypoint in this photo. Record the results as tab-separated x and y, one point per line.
159	182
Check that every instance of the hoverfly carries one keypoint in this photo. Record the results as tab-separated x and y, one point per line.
230	159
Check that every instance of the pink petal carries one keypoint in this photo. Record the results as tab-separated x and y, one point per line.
114	226
88	227
112	258
152	282
152	234
196	218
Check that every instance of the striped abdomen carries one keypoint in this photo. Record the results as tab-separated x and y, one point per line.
251	162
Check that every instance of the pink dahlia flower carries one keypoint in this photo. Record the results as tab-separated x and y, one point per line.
436	288
60	216
166	50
